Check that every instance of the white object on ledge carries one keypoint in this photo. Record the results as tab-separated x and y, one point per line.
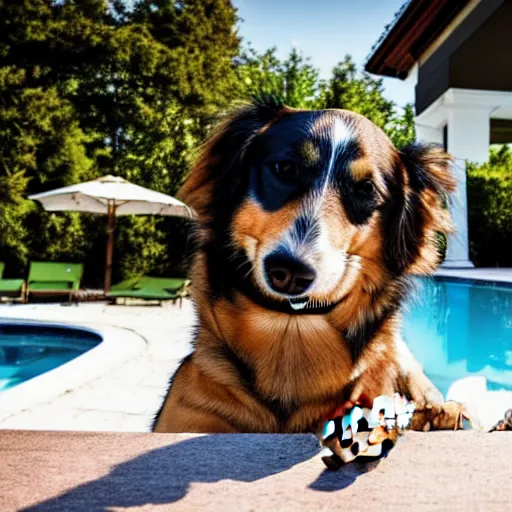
484	407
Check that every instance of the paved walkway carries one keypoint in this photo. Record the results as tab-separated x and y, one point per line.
128	396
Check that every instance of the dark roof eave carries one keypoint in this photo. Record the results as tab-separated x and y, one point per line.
415	26
373	59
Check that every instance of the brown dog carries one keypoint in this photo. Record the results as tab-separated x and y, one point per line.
310	225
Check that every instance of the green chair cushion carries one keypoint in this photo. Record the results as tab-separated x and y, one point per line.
143	293
149	288
167	284
51	286
51	272
11	285
164	283
128	284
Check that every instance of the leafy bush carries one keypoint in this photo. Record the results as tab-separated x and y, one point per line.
489	189
13	233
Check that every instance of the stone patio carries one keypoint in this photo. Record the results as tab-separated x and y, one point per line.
126	397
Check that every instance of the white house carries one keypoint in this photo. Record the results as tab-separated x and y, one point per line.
457	55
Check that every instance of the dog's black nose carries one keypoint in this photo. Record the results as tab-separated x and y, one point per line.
288	275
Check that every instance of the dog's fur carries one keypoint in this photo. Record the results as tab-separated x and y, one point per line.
326	188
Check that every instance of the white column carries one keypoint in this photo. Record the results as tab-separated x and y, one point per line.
468	140
428	134
457	254
469	133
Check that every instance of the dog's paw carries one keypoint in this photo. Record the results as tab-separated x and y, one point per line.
424	394
428	398
446	416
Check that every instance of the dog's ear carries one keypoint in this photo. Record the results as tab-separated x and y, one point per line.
420	209
223	151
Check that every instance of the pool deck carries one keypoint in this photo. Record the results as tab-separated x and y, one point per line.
123	388
499	275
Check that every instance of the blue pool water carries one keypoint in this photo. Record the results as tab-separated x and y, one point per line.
28	350
457	329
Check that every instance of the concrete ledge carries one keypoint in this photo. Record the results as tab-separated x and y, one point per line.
51	471
498	275
457	264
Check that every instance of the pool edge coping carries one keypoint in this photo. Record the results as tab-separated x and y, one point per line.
66	378
474	281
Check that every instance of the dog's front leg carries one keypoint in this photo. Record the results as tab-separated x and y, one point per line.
412	381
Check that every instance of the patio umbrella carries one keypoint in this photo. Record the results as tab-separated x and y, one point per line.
112	196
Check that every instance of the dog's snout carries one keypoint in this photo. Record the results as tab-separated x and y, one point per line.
288	275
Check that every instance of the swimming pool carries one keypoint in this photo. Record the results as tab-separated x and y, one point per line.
457	329
30	349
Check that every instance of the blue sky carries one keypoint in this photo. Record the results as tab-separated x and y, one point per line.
325	30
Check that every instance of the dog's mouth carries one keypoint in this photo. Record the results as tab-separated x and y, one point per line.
298	304
304	304
308	303
295	305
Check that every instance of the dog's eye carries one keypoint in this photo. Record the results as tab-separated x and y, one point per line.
364	189
285	169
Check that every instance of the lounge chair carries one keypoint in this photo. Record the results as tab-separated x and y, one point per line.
53	279
150	288
11	288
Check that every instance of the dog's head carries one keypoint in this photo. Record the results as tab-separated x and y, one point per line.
300	208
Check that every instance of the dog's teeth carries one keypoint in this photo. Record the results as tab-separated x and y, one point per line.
310	303
298	305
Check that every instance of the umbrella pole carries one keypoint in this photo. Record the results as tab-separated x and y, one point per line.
110	246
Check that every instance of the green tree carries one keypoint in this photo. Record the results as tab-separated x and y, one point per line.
41	145
201	38
13	210
501	156
401	128
90	87
360	92
295	80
